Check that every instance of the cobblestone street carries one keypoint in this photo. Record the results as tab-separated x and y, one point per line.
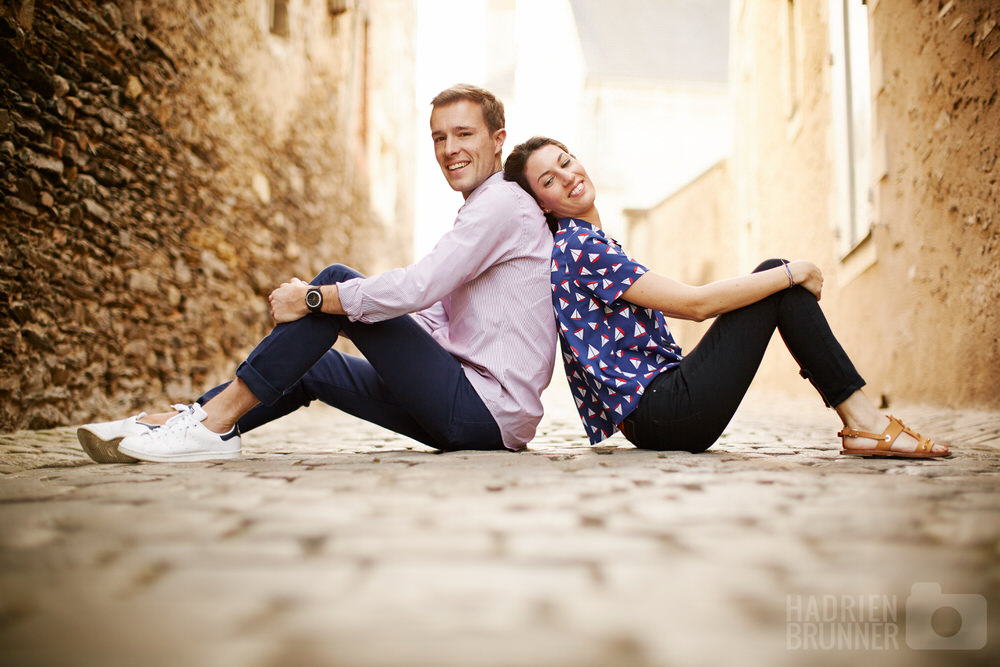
334	543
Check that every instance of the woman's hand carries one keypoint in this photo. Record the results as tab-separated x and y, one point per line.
808	275
288	301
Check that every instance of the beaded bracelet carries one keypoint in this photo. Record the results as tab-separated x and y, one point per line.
791	281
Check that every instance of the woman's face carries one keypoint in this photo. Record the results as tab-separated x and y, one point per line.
560	183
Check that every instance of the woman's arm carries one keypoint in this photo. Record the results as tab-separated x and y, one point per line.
687	302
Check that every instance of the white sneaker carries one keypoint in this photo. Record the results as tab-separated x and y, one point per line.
100	440
183	438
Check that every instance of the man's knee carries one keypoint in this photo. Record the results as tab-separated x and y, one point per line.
768	264
335	273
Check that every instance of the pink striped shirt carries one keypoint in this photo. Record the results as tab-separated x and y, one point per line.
483	293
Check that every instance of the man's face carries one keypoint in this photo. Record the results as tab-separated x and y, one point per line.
465	149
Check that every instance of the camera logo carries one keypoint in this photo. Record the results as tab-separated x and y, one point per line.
939	621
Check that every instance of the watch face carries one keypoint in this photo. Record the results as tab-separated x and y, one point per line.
313	298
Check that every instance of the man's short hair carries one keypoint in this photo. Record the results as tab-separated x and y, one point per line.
491	106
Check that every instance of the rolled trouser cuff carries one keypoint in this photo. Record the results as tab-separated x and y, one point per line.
262	390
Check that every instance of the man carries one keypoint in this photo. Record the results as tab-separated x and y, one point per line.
458	347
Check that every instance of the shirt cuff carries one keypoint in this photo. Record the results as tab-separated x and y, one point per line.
349	292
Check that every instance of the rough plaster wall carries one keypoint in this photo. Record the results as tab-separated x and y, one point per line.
938	271
921	323
162	171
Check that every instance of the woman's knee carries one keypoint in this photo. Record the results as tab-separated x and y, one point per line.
769	264
335	273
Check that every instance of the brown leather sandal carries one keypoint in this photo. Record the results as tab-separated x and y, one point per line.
887	437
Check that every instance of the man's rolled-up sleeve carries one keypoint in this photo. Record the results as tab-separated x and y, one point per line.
485	232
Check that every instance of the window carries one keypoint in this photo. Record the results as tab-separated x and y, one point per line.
852	118
365	78
338	7
278	22
793	94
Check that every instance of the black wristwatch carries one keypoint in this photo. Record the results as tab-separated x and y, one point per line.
314	300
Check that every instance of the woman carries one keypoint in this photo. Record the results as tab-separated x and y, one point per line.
623	367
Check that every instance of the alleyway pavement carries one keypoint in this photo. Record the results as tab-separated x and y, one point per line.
335	543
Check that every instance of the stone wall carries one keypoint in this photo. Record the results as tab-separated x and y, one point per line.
165	164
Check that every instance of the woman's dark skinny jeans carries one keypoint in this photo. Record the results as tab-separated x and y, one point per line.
689	406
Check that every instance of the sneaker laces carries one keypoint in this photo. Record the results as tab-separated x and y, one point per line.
185	418
178	407
181	408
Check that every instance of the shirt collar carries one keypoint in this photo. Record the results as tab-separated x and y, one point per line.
497	176
570	223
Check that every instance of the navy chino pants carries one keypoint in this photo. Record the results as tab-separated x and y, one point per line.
406	383
688	406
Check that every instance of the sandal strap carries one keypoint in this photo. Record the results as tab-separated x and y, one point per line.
854	433
885	438
923	444
889	435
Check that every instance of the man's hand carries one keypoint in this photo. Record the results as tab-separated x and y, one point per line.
288	302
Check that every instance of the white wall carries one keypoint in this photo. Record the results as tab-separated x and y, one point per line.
640	141
549	74
450	49
645	140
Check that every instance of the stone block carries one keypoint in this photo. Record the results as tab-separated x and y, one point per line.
134	87
96	211
20	205
43	163
112	119
60	86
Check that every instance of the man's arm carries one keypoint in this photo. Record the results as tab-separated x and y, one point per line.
486	232
288	304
